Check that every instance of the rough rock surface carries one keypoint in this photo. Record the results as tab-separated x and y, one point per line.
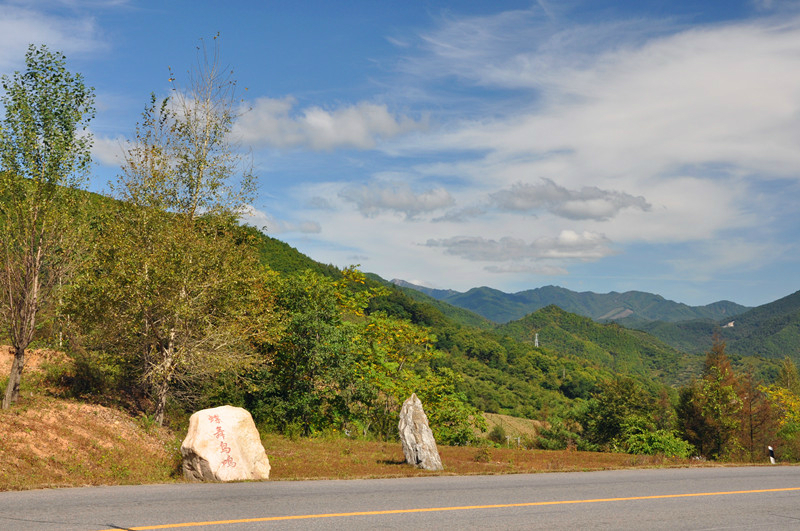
223	444
419	446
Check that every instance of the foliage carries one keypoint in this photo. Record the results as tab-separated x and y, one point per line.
623	416
453	420
453	314
563	434
616	405
604	345
656	442
784	397
335	365
44	154
709	409
498	434
280	257
169	286
769	332
308	379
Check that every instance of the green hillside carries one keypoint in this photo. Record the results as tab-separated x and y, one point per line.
499	368
609	346
458	315
694	337
284	258
771	331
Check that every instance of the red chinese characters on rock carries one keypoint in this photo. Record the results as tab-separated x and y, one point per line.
223	446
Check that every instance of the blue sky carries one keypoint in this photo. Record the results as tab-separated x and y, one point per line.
601	146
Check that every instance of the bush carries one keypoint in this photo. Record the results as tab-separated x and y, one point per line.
483	455
498	434
658	442
562	435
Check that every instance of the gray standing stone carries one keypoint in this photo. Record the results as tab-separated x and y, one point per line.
223	444
419	446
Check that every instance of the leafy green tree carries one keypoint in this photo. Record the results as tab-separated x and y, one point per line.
656	442
44	155
337	367
709	410
171	279
616	404
784	399
310	382
757	421
453	419
691	421
788	376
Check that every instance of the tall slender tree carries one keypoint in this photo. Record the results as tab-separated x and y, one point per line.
44	156
171	280
710	410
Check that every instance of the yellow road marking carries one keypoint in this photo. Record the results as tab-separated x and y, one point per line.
438	509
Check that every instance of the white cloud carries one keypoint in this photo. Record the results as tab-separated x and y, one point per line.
274	122
21	26
271	225
707	260
547	270
461	214
377	198
589	202
662	134
568	245
108	151
655	141
725	94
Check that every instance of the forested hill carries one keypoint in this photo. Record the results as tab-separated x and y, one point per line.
502	370
609	346
629	308
770	331
284	258
652	349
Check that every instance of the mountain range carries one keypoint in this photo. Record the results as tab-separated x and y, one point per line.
631	308
768	331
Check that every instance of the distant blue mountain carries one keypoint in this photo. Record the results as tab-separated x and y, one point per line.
632	308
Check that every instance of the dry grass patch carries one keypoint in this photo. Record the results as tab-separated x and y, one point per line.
351	459
525	429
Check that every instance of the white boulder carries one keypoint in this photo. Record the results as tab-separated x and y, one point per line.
223	444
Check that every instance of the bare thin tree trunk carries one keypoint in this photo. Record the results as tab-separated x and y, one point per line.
12	389
161	402
162	387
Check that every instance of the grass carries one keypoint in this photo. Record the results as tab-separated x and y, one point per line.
354	459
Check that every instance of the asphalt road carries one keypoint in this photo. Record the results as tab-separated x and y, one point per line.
698	498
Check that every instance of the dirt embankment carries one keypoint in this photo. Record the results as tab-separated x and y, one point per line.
45	441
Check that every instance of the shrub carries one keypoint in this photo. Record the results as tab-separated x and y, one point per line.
658	442
483	455
498	434
561	435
